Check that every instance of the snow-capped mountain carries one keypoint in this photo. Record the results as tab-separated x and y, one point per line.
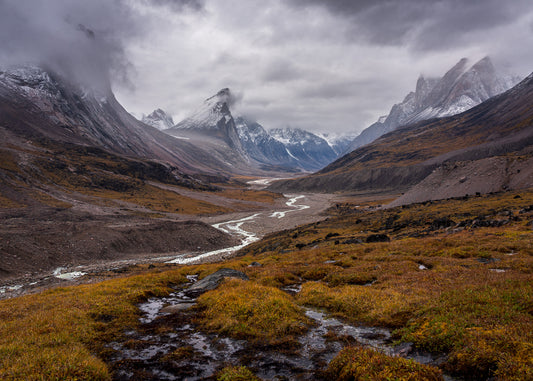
212	119
38	103
158	119
242	141
262	147
460	89
312	151
338	142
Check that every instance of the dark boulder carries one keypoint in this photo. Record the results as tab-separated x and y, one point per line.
212	281
442	223
377	238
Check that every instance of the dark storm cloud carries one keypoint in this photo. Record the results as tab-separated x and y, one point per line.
83	40
421	24
178	5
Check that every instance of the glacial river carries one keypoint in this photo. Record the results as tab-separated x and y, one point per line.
235	227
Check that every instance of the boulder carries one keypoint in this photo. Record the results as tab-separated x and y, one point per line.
212	281
377	238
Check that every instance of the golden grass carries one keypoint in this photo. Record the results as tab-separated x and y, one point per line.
355	363
251	195
236	373
56	334
248	310
160	200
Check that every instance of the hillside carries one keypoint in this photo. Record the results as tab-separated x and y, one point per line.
501	126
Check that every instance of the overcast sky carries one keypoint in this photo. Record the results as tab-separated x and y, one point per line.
321	65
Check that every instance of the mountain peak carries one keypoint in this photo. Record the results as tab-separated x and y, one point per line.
223	96
158	119
461	88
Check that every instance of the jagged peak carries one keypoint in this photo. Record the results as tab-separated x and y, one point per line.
223	96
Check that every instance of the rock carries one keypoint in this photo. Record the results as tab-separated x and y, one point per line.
255	264
377	238
351	241
441	223
212	281
177	308
403	349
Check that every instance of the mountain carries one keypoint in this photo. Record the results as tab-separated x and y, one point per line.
500	128
293	149
39	104
246	145
158	119
262	147
309	150
212	128
338	142
460	89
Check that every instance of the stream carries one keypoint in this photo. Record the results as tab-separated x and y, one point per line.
234	227
168	346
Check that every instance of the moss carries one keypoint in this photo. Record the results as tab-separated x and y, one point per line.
356	363
236	373
248	310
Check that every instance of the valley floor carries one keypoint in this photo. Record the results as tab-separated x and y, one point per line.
50	247
430	291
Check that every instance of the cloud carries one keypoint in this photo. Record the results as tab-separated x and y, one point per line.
83	40
421	24
333	65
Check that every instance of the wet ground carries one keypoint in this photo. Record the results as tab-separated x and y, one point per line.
168	346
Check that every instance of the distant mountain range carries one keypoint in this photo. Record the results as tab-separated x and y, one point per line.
488	148
460	89
240	140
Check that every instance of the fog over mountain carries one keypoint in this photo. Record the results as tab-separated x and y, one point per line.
327	67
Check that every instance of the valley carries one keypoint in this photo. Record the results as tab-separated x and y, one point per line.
87	244
262	232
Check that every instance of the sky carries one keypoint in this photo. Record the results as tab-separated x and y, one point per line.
323	65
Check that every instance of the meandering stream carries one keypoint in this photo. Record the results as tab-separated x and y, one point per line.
235	227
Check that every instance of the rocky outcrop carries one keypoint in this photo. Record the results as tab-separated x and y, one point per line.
212	281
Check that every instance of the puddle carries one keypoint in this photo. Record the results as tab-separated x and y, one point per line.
182	352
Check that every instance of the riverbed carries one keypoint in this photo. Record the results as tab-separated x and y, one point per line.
247	227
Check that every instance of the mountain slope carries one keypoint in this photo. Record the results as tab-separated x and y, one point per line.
460	89
310	151
503	125
38	104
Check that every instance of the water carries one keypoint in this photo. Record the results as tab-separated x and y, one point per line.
234	227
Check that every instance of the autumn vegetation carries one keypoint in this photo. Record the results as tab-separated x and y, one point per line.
452	277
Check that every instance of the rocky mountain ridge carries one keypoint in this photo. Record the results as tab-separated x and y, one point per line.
460	89
158	119
39	104
279	149
501	127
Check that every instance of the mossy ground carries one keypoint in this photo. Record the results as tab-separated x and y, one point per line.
462	288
